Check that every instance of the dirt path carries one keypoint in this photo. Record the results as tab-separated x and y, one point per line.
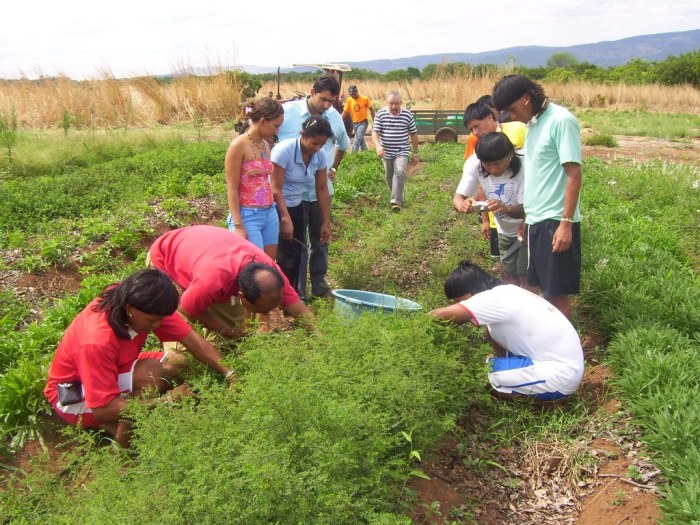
534	483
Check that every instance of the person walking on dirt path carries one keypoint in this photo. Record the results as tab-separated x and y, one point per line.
294	163
252	209
496	172
552	187
99	363
319	103
222	275
356	107
538	354
394	132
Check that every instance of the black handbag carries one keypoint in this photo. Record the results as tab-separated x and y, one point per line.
70	393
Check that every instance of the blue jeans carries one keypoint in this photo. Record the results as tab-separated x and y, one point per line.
359	143
317	257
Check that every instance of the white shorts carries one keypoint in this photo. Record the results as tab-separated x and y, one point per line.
544	380
125	381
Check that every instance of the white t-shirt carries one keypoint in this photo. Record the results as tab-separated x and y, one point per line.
504	188
525	324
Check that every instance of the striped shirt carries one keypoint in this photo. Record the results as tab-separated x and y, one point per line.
394	132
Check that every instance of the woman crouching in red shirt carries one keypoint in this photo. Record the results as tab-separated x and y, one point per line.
99	362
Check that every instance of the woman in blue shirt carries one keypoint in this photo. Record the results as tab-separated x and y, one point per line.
294	162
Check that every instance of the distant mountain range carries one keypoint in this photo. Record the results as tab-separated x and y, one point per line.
608	53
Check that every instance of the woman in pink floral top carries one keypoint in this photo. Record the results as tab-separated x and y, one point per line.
252	209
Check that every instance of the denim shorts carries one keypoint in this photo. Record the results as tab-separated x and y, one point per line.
261	224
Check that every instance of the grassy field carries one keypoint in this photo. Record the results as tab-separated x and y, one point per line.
641	123
330	427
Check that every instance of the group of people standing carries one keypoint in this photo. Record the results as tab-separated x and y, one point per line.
535	203
279	201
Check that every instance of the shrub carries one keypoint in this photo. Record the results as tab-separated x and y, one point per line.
601	139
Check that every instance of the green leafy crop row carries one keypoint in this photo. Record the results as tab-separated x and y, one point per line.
641	282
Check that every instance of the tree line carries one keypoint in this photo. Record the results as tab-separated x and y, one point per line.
560	67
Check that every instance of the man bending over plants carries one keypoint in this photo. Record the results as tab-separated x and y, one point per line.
538	353
222	275
99	362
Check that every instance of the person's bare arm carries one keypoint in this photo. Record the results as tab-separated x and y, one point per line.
232	165
414	144
212	322
276	182
377	143
561	241
462	204
454	313
110	411
324	204
516	210
205	352
303	314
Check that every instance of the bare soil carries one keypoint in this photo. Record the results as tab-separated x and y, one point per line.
645	149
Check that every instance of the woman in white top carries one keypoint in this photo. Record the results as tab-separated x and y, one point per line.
538	352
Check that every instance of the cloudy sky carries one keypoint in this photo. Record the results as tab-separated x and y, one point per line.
81	38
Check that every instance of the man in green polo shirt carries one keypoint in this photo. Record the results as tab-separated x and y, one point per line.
552	187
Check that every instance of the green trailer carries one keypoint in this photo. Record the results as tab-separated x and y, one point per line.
444	125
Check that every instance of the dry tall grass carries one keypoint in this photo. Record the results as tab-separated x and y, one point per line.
112	103
447	92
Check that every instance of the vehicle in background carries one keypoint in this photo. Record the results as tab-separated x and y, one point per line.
444	125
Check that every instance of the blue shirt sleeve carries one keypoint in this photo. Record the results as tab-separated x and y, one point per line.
342	141
291	126
283	152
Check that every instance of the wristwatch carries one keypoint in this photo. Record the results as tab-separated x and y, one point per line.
332	170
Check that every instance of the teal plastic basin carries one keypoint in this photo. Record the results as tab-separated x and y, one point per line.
352	303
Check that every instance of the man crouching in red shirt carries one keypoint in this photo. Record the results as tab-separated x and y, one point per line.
99	362
221	275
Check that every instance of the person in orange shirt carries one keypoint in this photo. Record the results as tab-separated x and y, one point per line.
357	107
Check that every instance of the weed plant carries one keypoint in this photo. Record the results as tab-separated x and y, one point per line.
601	139
315	433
